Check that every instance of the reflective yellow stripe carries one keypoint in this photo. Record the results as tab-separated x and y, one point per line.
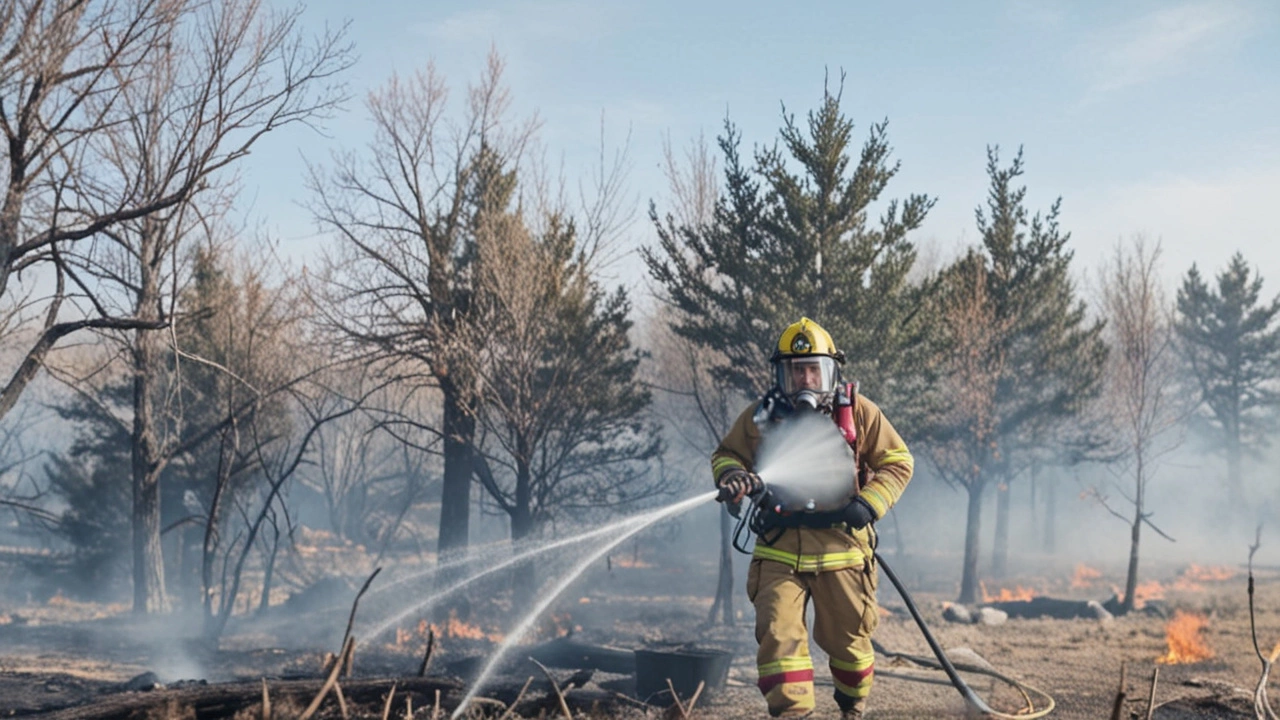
811	563
854	666
786	664
896	455
876	500
861	690
720	464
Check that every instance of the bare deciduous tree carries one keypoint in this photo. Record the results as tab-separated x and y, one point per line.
21	494
699	407
238	343
401	280
1142	402
561	408
368	473
136	107
278	457
84	82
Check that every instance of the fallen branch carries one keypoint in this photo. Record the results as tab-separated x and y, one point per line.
696	694
342	701
676	698
386	708
630	700
519	696
266	701
351	619
226	699
564	706
1151	696
1261	705
1118	707
329	682
426	657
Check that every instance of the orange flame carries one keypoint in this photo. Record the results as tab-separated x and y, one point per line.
1182	634
1149	590
405	636
1006	595
557	625
1084	576
1191	578
631	562
460	629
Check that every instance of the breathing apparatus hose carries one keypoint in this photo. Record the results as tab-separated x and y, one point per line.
970	697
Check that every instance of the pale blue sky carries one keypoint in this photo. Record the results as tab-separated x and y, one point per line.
1147	116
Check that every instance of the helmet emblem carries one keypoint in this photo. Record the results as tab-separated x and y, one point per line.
800	344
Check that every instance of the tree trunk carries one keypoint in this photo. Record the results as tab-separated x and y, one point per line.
189	577
1033	487
972	530
1131	578
1235	483
1135	531
523	578
455	496
148	558
1050	518
1000	548
268	571
228	443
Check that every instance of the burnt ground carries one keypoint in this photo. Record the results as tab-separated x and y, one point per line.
64	653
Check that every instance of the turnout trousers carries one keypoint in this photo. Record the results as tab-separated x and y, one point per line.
844	616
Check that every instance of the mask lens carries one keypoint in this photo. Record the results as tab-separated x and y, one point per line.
816	373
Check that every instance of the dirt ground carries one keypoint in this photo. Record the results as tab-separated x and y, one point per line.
63	653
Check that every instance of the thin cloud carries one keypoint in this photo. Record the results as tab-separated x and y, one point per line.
518	23
1163	42
1200	217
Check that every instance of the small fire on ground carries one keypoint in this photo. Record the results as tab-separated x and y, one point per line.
1182	635
1195	575
1006	594
1191	579
554	626
454	628
1084	576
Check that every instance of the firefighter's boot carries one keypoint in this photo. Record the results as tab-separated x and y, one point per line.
852	709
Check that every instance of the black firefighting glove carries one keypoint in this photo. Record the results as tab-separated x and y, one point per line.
858	514
736	483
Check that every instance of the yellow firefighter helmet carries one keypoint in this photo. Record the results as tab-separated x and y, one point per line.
807	338
806	359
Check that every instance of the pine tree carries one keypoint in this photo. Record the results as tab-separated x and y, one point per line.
791	237
1231	343
1028	342
86	479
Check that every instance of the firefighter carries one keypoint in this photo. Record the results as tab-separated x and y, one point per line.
826	556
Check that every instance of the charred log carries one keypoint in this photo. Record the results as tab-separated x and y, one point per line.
1054	608
225	700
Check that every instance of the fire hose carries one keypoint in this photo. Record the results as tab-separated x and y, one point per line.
970	697
943	662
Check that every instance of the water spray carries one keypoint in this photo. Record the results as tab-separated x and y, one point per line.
508	562
639	523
